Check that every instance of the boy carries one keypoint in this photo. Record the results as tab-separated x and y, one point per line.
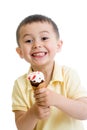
62	103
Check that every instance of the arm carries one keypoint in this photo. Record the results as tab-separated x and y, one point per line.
74	108
28	120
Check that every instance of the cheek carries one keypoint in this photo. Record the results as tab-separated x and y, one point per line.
52	47
25	51
49	46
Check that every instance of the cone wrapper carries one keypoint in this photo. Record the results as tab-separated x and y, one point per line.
41	85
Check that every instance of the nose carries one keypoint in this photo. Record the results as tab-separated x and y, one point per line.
35	47
36	44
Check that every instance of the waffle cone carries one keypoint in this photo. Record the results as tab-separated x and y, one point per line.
41	85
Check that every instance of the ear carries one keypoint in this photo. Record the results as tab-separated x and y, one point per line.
59	45
19	51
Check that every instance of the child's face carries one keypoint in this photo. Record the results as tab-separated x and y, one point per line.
38	43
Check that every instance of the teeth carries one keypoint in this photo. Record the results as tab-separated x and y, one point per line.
39	54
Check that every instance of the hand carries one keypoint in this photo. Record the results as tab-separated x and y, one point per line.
40	112
45	97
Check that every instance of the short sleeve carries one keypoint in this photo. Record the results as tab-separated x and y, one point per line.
19	98
73	84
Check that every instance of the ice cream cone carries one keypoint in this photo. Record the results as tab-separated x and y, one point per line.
37	80
41	85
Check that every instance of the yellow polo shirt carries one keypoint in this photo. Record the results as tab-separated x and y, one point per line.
66	82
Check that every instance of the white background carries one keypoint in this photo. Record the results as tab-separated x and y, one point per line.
71	18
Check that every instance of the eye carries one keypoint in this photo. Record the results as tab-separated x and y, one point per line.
44	38
29	41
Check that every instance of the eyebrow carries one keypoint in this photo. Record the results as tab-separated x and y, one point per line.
31	34
26	35
44	32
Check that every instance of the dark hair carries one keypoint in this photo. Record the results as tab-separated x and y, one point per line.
36	18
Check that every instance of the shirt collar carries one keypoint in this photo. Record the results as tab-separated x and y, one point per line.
57	73
28	83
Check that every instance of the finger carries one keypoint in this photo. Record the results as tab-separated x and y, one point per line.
39	96
39	91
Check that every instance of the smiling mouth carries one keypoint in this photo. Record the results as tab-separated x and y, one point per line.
39	54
